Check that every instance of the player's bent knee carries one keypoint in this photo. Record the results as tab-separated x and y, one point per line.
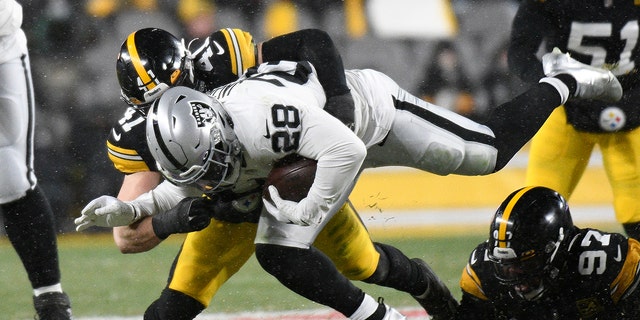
479	159
441	159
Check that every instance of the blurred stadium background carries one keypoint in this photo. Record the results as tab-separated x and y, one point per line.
448	51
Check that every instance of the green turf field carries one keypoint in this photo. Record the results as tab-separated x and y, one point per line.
101	281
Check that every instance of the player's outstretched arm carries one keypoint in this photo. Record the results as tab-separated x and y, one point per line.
133	228
139	236
108	211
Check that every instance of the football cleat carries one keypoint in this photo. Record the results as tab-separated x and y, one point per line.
437	300
591	82
52	306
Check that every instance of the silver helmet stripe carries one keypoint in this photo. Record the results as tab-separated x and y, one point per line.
156	131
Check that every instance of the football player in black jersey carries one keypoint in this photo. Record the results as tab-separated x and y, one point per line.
151	61
538	265
602	33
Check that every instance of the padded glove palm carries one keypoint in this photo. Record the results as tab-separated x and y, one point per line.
106	211
289	211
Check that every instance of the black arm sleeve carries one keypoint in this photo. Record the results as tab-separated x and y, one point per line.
190	214
528	30
315	46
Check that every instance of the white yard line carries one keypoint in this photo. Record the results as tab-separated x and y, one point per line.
582	215
320	314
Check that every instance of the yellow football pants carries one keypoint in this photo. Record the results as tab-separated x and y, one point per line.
210	257
559	155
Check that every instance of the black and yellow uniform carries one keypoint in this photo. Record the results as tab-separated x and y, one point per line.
596	281
209	257
603	34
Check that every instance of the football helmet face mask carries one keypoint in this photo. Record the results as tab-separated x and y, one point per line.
151	61
192	140
525	237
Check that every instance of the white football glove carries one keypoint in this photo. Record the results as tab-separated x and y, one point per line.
106	211
290	211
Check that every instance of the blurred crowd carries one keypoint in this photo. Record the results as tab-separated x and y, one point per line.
74	45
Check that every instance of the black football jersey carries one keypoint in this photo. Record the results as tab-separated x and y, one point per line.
601	33
127	144
598	279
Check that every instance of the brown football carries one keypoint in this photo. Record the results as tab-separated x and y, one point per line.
293	176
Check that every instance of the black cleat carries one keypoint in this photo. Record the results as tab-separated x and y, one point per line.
52	306
437	300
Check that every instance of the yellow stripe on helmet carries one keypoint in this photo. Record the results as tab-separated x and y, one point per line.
137	64
502	229
241	50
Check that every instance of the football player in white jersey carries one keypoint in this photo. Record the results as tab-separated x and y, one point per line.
28	218
152	60
213	143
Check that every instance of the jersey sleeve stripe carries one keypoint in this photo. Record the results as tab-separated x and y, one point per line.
126	160
128	166
629	275
470	283
126	153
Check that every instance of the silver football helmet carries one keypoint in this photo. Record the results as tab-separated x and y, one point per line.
191	138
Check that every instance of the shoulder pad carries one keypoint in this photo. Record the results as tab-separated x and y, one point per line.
126	145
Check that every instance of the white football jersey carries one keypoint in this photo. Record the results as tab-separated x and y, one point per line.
13	42
10	17
278	113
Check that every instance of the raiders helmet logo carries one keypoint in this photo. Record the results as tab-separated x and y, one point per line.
202	113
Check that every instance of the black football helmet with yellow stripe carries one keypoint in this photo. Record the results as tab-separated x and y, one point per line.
150	61
526	240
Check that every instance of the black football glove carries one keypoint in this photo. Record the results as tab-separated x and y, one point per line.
190	214
237	207
195	214
342	107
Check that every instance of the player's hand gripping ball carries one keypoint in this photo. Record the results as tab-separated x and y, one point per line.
286	190
292	176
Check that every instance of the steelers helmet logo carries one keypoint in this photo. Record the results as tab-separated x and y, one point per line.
612	119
